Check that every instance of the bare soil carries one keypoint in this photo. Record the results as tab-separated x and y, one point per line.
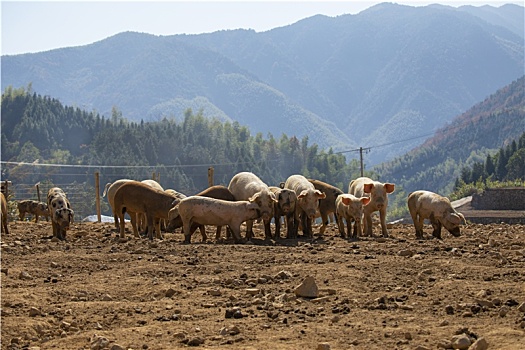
95	292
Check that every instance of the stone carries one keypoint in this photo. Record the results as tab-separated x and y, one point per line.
117	347
283	275
405	252
215	292
195	341
307	289
25	276
170	292
503	311
323	346
461	342
252	291
34	312
480	344
485	303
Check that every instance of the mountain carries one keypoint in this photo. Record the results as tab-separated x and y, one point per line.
388	74
468	138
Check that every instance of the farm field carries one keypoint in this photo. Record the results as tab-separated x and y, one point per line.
95	292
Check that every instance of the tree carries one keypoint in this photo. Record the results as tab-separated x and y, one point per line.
516	165
490	168
501	165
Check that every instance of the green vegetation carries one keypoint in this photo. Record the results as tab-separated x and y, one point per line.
40	129
463	144
503	169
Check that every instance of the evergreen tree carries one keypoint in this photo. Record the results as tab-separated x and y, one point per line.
516	165
501	165
490	168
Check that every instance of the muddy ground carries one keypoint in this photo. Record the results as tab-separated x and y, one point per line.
94	292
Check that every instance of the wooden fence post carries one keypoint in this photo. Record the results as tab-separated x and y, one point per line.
37	185
210	176
97	191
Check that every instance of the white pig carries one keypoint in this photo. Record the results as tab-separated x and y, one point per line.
429	205
350	208
212	211
378	192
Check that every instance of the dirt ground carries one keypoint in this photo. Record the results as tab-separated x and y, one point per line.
95	292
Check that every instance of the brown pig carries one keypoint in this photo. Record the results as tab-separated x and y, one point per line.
34	208
326	205
378	193
3	204
135	197
429	205
110	189
350	209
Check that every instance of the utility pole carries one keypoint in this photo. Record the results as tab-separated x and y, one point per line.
361	159
361	149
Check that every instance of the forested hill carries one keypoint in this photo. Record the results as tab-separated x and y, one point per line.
39	130
482	130
388	73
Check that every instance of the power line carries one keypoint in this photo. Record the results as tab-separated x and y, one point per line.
124	166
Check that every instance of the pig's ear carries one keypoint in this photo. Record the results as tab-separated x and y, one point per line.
454	218
463	220
254	197
390	188
346	200
365	200
320	195
368	187
303	194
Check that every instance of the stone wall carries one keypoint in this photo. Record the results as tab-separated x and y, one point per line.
500	199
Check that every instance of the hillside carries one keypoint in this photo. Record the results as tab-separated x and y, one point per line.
346	81
482	130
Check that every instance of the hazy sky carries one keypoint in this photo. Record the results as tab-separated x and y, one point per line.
34	26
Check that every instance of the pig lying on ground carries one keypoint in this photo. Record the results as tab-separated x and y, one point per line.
110	190
246	186
217	212
429	205
307	203
285	206
3	204
350	209
326	205
60	212
217	192
378	192
135	197
34	208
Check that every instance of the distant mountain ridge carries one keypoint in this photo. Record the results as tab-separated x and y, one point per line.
483	129
389	73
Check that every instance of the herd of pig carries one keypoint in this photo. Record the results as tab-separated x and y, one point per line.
246	199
